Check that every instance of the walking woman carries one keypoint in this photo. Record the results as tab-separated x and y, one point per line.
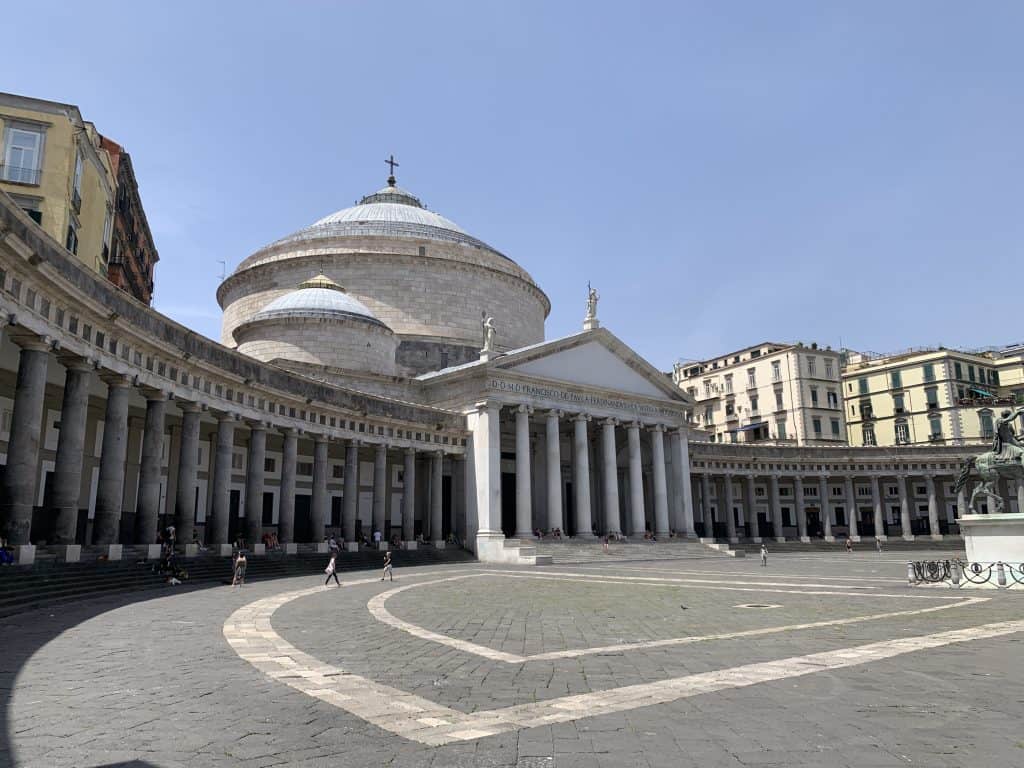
388	571
331	571
240	565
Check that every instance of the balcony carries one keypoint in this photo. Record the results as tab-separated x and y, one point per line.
19	175
76	201
934	438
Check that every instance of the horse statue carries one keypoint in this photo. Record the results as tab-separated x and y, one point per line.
1006	459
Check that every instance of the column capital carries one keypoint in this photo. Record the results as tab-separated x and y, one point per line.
33	341
410	451
657	428
289	431
610	422
76	363
633	424
381	447
584	417
115	380
187	406
257	425
487	405
555	413
749	476
152	393
319	438
224	416
524	408
438	454
352	442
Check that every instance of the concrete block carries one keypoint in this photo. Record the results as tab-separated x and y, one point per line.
191	550
25	554
409	545
322	548
351	546
383	546
226	550
115	551
291	549
69	553
438	545
805	539
153	551
259	549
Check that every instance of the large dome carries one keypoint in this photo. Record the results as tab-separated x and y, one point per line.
318	297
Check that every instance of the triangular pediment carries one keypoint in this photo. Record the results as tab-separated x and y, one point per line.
597	361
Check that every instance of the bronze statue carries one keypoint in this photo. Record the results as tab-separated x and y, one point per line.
1006	459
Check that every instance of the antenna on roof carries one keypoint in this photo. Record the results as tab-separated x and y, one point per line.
223	269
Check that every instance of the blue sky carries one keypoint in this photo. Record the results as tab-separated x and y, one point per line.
723	172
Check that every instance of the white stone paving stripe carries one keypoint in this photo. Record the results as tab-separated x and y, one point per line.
427	722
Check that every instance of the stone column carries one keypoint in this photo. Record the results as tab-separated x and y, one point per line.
110	488
147	508
22	471
188	473
683	500
221	501
705	500
380	488
67	470
826	508
851	509
876	502
749	506
286	504
553	453
933	510
409	497
437	499
581	476
901	485
254	484
1020	496
776	506
524	492
320	502
638	522
486	428
730	515
610	477
661	524
459	496
351	499
801	511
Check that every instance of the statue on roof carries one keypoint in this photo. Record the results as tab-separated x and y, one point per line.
489	332
590	319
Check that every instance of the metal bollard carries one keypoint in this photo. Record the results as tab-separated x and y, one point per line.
1000	574
910	574
955	573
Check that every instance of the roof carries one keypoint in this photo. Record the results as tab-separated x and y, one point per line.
319	297
391	211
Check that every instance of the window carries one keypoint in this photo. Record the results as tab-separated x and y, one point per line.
76	187
817	426
835	428
929	372
970	372
269	464
23	154
753	403
30	205
707	387
108	225
751	378
814	397
829	373
776	371
993	378
935	427
304	468
932	395
833	399
868	434
728	384
958	371
236	460
862	383
71	240
730	409
338	471
709	417
778	400
902	432
811	366
897	404
780	429
985	421
896	379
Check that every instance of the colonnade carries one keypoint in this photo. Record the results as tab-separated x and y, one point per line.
22	477
595	499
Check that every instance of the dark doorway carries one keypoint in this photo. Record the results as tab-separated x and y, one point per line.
508	504
268	508
814	527
335	521
303	523
446	505
569	518
867	522
44	520
234	521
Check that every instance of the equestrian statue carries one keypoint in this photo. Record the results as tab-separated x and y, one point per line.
1006	459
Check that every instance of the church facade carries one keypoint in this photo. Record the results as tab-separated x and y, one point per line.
384	370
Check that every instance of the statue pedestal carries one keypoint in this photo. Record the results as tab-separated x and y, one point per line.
994	538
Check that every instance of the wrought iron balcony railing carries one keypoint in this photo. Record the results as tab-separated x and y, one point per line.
21	175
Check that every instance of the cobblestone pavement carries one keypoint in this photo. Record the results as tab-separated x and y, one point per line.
823	660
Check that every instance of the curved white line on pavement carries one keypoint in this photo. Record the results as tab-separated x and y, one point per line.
249	632
380	612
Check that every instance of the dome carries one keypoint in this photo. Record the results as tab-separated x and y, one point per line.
318	297
391	211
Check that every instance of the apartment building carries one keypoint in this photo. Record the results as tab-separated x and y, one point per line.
770	392
922	396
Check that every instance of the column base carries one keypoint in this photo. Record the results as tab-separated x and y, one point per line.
805	539
68	553
882	537
734	540
438	544
830	539
586	536
192	550
908	537
351	546
937	537
409	545
854	538
322	547
525	536
661	535
25	554
383	546
291	548
153	551
780	539
257	549
706	540
756	539
226	550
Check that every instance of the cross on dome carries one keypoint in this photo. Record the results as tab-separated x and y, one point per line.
392	164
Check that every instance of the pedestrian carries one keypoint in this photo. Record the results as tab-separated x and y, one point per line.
330	571
849	544
764	556
388	570
332	545
878	544
240	565
376	539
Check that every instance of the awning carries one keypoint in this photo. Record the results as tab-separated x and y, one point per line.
981	392
750	427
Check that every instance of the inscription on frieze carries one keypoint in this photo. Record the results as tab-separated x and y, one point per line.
576	398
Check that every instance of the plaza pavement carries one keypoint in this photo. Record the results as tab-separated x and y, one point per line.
819	659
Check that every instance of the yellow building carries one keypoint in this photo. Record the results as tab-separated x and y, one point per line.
922	396
53	167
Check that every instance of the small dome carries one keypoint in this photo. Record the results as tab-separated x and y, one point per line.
317	297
